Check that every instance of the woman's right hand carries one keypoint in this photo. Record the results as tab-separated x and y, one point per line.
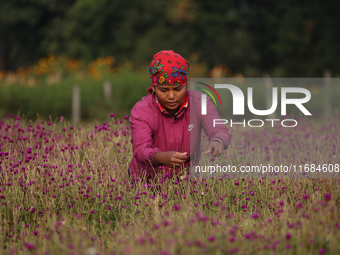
171	158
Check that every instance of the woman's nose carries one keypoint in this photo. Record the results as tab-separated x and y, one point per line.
171	95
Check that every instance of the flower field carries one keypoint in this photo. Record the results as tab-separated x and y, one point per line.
65	190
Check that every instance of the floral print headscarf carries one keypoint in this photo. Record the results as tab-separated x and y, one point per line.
169	69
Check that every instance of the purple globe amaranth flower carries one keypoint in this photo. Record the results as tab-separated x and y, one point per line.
237	183
58	224
177	207
322	251
91	211
126	117
211	238
29	246
288	236
327	197
36	232
112	115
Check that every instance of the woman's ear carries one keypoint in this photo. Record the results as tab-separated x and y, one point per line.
153	90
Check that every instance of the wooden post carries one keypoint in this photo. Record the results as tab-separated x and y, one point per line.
76	105
327	83
107	90
269	93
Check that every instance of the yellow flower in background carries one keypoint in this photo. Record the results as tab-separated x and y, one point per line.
110	60
52	68
161	79
2	74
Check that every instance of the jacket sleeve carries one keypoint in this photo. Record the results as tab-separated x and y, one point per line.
220	131
141	132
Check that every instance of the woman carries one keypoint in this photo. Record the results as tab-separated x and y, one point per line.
165	137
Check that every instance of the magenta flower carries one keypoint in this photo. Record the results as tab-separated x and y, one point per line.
211	238
255	216
327	196
112	115
29	246
91	211
322	251
288	236
177	207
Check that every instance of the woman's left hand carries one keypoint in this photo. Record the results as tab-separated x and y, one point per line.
215	148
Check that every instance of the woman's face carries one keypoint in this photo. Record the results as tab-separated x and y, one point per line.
170	97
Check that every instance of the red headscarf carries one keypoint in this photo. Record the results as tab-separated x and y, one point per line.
168	69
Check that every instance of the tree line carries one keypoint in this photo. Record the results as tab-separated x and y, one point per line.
283	38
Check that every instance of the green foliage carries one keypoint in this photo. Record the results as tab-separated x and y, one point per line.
252	37
56	100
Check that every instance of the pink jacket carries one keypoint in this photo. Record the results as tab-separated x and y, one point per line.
155	131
